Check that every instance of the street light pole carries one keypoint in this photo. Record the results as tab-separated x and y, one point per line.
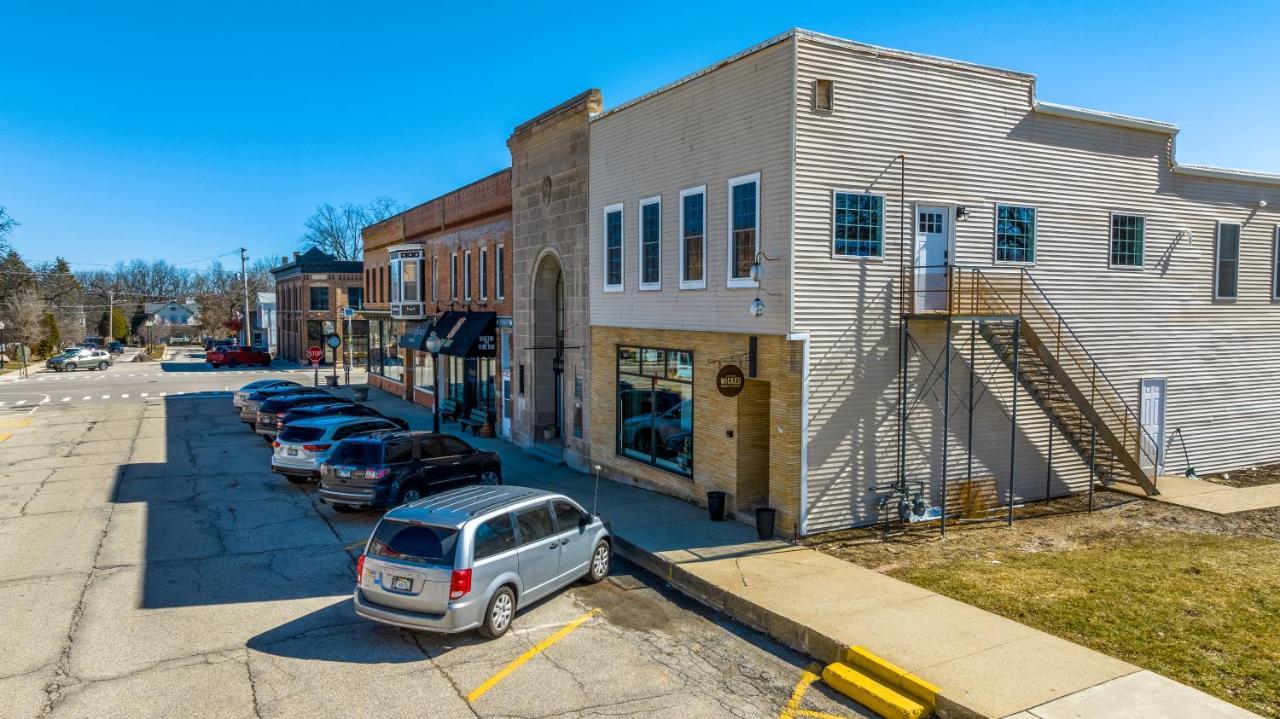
434	343
244	277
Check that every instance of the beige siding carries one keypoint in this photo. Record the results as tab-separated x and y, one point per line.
731	121
971	138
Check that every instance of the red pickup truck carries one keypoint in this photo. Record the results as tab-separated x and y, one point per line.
237	355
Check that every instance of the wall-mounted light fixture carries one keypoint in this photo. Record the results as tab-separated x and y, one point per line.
756	273
961	212
757	308
1262	204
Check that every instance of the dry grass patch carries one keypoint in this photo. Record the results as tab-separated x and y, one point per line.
1186	594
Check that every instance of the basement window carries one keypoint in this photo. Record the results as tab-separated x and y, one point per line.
824	95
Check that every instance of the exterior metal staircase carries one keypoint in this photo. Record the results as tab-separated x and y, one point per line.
1027	332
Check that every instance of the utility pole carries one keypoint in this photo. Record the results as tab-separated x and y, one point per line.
244	277
111	314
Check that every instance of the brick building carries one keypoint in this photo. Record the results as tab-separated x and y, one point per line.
444	266
310	290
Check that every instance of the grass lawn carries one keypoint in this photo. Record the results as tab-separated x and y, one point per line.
1203	609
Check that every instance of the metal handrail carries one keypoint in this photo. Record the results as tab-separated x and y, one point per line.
980	295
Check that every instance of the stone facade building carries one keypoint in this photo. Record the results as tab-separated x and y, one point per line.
551	365
311	290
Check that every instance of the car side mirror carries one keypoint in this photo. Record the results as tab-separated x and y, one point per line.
583	523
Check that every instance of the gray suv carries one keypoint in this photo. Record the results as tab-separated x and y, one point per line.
467	558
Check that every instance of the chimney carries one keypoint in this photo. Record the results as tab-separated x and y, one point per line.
296	255
284	260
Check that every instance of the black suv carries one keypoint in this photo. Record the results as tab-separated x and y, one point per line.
386	469
335	408
272	410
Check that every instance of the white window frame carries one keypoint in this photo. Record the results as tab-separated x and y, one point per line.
884	207
622	247
732	281
1110	223
453	276
1275	265
1217	256
484	274
648	286
466	276
692	284
499	272
1035	234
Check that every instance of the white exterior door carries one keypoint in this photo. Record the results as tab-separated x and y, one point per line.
932	259
1152	409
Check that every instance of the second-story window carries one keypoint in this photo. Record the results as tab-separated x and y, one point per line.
355	297
397	270
484	273
693	238
1016	234
1128	235
651	243
744	228
466	274
858	225
453	276
613	248
500	272
409	272
319	299
1226	262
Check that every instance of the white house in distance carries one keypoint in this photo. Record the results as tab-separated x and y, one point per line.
264	321
854	283
172	314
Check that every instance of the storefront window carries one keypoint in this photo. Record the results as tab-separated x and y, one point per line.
385	359
655	407
423	371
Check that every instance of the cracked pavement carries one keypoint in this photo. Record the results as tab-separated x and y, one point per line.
152	566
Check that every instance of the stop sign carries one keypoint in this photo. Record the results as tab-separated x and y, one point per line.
315	354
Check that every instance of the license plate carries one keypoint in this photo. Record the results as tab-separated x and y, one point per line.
344	473
293	452
402	584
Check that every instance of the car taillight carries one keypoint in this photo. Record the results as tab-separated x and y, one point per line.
316	447
459	583
279	415
377	473
359	568
275	444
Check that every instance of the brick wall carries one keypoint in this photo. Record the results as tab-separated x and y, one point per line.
765	420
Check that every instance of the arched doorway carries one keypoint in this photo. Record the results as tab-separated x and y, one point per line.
548	349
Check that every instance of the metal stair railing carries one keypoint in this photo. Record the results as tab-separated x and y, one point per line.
973	291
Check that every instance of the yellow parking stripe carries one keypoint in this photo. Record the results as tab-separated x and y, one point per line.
537	649
807	677
14	423
5	435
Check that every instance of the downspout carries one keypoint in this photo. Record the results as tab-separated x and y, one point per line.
793	334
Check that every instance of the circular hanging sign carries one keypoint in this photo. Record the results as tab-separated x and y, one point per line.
730	381
333	341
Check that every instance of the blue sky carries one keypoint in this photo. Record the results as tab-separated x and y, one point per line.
183	130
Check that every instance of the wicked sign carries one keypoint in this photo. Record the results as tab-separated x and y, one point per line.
730	380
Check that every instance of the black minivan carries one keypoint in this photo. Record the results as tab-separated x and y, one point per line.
387	469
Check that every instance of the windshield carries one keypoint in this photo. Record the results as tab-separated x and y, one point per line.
419	543
357	453
301	434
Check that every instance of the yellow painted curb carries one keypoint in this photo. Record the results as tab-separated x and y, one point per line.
893	675
870	692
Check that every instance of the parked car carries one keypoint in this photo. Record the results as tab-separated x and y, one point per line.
249	405
273	409
671	426
237	399
303	446
469	558
338	407
82	358
387	469
237	355
115	347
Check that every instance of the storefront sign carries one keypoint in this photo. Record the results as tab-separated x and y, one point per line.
486	344
729	380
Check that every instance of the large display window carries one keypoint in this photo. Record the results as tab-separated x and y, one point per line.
655	407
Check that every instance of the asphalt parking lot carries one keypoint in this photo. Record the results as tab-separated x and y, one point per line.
152	566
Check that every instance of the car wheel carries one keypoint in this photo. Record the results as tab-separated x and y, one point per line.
490	476
499	613
70	367
343	508
232	364
411	492
599	563
267	363
295	479
102	366
215	365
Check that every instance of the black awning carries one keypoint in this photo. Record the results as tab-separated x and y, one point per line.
468	334
415	336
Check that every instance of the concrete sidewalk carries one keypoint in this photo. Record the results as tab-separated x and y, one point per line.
1209	497
985	665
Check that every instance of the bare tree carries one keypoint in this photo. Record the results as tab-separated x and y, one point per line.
336	230
7	224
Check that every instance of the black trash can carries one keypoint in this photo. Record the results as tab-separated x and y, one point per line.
715	506
765	517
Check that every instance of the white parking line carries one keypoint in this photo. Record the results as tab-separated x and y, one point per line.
106	396
46	399
19	402
66	399
163	394
85	398
124	396
144	394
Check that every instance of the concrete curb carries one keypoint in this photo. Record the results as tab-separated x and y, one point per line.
788	632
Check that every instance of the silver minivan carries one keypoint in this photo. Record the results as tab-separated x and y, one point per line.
467	558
